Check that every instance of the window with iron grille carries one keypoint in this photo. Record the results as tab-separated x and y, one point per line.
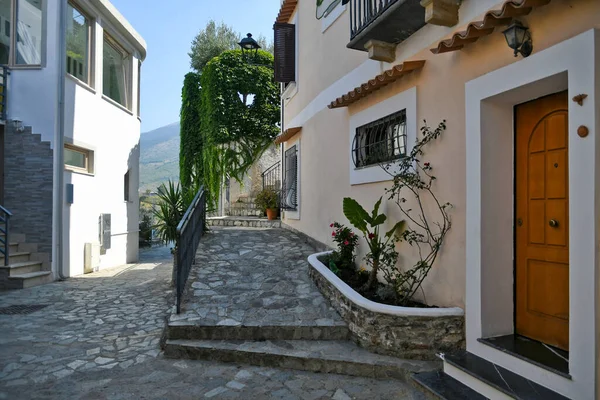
380	141
289	193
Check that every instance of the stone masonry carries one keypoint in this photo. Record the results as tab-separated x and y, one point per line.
28	185
419	338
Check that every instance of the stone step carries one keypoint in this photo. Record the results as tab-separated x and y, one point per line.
340	357
16	257
246	222
14	237
20	268
30	279
184	330
438	385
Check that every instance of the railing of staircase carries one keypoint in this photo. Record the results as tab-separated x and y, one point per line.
4	71
271	177
190	231
5	231
363	12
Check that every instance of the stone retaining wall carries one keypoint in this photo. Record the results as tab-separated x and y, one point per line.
243	222
413	337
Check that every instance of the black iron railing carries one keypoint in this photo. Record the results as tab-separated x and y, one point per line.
364	12
271	177
289	190
189	231
4	71
5	234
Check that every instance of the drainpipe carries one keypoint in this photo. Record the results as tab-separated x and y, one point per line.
59	174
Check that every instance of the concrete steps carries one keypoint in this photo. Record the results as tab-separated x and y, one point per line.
327	356
26	268
30	279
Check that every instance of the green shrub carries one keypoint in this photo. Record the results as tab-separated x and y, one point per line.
267	199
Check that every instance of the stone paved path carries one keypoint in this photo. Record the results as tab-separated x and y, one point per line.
99	339
254	277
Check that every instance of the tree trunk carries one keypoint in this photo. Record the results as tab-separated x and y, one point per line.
373	275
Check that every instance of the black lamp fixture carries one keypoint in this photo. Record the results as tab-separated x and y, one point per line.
249	46
518	38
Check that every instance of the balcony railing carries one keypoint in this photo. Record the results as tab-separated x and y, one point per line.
4	72
389	21
271	177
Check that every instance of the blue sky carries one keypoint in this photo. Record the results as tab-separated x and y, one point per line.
168	28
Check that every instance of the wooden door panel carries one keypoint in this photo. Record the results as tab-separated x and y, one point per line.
542	210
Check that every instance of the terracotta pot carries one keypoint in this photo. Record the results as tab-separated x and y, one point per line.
271	213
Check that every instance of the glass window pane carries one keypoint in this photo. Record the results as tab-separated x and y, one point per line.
5	27
29	32
75	158
77	43
115	73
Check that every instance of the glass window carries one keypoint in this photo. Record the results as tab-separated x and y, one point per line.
5	18
139	89
381	141
78	159
115	72
126	186
29	32
78	44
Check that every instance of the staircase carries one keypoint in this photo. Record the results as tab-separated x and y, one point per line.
244	207
26	266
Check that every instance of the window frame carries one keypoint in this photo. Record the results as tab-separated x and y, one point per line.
370	137
90	45
114	43
12	54
139	89
127	186
88	156
293	213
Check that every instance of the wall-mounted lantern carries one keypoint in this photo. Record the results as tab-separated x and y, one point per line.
249	46
518	38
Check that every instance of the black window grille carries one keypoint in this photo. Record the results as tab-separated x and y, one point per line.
381	141
289	195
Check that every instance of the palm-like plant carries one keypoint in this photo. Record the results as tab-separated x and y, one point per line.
170	211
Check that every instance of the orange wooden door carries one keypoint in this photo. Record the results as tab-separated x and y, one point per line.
542	220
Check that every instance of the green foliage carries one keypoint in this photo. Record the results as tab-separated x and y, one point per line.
381	248
343	257
145	226
170	211
210	42
428	225
190	147
267	199
235	132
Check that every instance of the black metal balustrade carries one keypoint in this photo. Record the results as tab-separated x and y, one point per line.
271	177
190	231
4	72
5	234
363	12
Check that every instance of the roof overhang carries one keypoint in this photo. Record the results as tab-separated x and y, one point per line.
286	11
287	134
381	80
492	19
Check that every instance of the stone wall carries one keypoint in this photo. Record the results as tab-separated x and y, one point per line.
412	337
28	185
243	222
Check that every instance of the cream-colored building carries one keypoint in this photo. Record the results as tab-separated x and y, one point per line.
519	160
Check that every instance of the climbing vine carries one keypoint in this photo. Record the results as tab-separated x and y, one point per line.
239	113
190	151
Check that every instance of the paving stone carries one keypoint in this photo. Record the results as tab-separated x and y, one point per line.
235	385
340	395
215	392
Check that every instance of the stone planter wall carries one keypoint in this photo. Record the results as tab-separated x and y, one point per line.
405	332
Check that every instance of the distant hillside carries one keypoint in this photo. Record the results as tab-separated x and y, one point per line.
159	156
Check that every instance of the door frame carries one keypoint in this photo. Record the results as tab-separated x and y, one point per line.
490	100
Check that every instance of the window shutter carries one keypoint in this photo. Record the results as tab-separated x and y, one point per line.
285	52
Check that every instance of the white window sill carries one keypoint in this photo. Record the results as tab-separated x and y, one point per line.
327	21
25	67
78	172
114	103
289	92
81	83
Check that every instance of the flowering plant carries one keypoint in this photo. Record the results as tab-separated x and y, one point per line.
346	241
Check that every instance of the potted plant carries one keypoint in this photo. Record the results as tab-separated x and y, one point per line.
267	201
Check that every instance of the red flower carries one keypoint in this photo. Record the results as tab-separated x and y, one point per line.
332	233
371	235
426	164
331	226
346	243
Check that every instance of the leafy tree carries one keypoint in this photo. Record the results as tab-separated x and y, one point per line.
210	42
190	151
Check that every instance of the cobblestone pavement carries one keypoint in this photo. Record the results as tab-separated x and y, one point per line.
254	277
98	338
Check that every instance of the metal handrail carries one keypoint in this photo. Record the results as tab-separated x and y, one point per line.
363	12
189	232
271	177
5	242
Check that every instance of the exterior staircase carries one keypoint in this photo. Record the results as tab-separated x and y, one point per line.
26	267
244	207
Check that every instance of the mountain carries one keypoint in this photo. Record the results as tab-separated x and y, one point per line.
159	156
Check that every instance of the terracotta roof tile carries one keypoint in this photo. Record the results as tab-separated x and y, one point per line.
287	135
286	11
384	79
492	19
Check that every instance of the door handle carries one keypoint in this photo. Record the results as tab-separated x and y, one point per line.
553	223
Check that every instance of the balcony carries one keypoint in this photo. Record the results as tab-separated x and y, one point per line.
387	21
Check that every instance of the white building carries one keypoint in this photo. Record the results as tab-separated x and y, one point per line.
73	81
